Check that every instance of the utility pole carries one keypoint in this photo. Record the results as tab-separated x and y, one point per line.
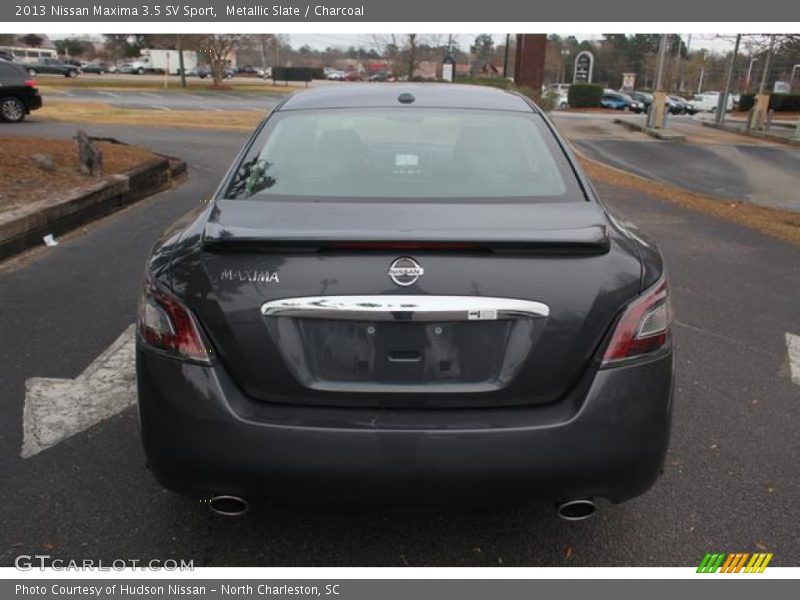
722	106
179	46
505	57
767	60
655	118
758	117
702	74
677	62
688	44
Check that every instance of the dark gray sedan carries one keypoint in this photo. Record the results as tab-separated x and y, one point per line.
405	293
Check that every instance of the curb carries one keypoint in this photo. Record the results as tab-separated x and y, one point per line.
31	223
756	134
656	133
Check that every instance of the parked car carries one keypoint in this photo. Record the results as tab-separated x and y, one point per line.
561	99
334	75
249	70
677	105
352	76
18	93
620	101
688	105
645	98
97	68
52	66
380	76
6	56
204	71
708	102
369	309
557	87
125	69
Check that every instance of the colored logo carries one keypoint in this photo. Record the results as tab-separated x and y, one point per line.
736	562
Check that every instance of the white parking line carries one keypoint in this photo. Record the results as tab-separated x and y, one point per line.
160	107
149	95
793	348
214	108
56	409
111	94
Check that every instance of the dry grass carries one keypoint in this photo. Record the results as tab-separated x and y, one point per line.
780	224
98	112
22	182
133	83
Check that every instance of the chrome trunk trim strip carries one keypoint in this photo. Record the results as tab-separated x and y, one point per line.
405	308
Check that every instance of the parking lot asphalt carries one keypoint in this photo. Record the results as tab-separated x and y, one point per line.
731	482
712	162
167	100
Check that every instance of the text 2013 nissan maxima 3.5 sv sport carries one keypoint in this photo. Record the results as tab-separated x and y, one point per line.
405	292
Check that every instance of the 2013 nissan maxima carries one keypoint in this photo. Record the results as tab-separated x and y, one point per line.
405	292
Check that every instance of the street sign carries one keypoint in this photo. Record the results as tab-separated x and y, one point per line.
584	65
628	81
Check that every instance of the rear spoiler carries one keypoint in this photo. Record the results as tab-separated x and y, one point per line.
591	240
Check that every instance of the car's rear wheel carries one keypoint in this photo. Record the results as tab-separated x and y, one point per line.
12	110
32	72
71	73
140	71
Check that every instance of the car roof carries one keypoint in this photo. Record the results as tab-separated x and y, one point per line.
20	69
426	95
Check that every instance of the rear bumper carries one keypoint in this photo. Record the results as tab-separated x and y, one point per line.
33	102
202	437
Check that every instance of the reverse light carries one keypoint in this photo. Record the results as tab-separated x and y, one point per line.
165	324
644	326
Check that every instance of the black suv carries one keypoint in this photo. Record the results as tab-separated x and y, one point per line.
18	93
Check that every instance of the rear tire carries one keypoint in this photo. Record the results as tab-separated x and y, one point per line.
12	110
70	74
140	71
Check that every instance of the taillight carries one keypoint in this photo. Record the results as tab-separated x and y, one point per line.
30	83
166	324
644	326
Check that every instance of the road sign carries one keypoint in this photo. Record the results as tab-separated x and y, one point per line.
584	65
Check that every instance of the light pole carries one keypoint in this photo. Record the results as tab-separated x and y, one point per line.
750	72
702	73
723	101
564	56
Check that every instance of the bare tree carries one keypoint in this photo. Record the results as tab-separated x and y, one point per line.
218	49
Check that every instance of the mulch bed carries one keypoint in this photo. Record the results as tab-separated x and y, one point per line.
22	181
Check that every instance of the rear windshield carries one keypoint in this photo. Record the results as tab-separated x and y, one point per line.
405	153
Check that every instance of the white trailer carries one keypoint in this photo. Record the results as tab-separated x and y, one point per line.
153	60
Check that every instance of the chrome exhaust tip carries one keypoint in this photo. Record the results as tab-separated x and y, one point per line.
578	509
228	506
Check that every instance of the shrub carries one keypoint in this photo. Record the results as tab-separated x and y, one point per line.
499	82
777	102
584	95
747	101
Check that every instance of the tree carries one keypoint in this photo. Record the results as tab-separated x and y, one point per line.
32	40
218	48
74	47
482	47
411	54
